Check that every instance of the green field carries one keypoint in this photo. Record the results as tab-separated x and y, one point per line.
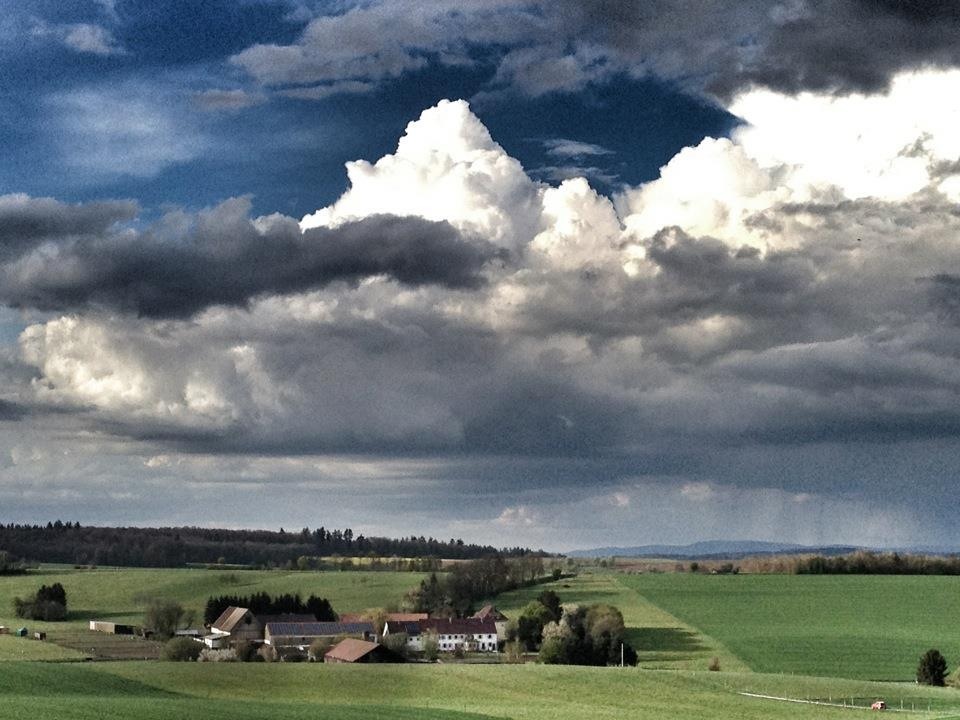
119	594
853	626
154	691
662	640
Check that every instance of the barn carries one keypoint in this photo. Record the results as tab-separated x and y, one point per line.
352	650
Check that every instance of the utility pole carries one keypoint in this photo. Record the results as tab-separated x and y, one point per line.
621	654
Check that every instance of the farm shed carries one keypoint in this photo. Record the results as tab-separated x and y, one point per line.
111	627
4	630
21	632
352	650
39	635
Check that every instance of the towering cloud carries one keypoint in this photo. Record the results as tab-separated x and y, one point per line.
447	306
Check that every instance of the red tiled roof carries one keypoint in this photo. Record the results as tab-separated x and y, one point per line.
407	617
459	626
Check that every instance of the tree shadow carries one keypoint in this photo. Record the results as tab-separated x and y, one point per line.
665	639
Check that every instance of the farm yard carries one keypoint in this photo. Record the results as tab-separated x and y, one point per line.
800	638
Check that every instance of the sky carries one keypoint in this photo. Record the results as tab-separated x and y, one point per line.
556	273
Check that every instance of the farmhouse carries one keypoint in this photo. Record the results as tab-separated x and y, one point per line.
411	628
471	634
352	650
301	634
499	619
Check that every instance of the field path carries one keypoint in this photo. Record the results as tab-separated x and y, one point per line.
663	641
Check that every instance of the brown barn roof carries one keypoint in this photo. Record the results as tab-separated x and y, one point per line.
351	650
389	617
460	626
229	618
407	617
489	611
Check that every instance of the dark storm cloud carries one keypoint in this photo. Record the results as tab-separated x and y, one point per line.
11	410
944	293
223	258
851	46
821	45
26	222
537	48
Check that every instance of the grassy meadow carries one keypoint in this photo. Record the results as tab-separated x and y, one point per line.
871	627
662	641
155	691
119	594
806	638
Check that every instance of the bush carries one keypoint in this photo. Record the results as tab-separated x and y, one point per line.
246	651
431	646
319	648
223	655
181	649
268	653
397	644
932	669
164	617
48	603
513	652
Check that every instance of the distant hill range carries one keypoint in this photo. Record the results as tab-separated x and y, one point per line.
734	549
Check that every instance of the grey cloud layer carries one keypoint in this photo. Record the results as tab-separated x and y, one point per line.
26	222
221	257
720	46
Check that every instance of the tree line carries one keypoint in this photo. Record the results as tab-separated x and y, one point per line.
869	563
457	593
68	542
263	603
11	566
